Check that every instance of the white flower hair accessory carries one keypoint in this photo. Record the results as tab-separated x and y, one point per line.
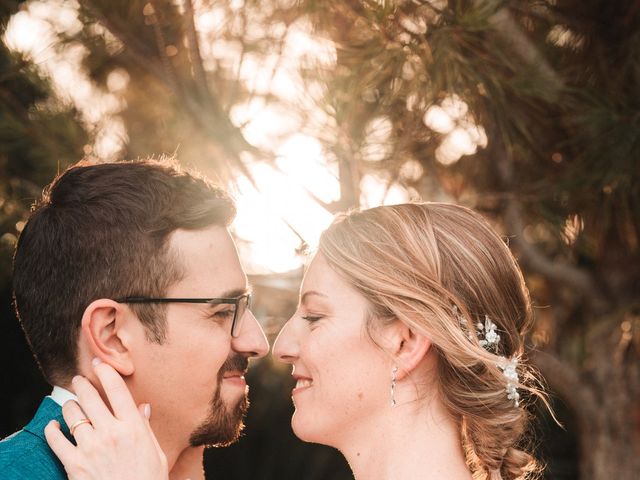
489	339
509	369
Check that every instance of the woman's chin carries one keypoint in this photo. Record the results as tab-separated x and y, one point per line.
302	429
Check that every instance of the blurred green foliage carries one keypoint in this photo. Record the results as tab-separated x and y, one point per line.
39	135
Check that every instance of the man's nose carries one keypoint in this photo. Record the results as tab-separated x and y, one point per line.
251	340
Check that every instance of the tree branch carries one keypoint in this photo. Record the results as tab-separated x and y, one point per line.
194	49
507	28
557	271
171	77
566	382
210	119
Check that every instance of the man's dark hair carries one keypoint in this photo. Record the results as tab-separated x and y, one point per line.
101	231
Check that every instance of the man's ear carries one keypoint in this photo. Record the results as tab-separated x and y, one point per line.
407	346
107	331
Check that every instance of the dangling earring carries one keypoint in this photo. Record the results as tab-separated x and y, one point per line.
393	385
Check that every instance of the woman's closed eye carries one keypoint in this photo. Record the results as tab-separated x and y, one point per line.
311	318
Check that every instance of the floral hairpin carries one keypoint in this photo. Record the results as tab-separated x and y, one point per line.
488	331
489	339
509	369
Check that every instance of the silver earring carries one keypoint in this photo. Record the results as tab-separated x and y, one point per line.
393	385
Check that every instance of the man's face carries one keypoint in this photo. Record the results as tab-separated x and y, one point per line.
194	379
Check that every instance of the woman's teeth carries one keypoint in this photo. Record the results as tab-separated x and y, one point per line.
303	382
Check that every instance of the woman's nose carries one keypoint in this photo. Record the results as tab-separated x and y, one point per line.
285	348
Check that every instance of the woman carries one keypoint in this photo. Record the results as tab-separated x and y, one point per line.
407	348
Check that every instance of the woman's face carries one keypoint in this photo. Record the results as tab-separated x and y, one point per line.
343	378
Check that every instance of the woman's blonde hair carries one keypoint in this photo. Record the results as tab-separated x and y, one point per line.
431	265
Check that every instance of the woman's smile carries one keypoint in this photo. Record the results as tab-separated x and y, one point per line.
302	383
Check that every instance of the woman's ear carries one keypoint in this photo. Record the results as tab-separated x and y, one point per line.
106	329
407	347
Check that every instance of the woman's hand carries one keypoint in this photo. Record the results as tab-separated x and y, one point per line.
113	446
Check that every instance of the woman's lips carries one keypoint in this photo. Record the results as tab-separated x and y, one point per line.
302	383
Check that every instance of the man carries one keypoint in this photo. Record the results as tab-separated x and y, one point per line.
131	264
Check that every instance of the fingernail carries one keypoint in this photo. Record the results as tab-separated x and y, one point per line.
76	378
96	361
147	411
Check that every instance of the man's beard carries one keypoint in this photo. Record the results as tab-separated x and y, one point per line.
224	424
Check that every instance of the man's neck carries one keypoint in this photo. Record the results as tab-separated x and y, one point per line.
189	465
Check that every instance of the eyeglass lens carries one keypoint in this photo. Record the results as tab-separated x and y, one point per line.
243	304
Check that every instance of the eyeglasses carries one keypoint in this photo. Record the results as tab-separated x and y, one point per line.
241	304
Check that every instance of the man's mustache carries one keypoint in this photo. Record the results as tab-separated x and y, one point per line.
234	363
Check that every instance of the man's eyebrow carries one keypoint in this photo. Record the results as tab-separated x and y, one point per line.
309	293
236	292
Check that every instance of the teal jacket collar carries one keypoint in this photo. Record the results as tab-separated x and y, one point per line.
47	411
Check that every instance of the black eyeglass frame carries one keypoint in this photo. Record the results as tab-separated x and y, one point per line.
235	323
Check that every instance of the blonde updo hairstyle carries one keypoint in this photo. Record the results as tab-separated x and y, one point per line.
416	262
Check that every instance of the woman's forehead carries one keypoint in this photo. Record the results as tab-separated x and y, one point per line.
322	282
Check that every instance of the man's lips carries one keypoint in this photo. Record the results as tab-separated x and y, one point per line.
234	378
233	375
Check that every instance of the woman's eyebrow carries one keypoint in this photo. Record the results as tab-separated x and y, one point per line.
309	293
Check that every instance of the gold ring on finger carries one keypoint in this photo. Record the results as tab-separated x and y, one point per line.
78	423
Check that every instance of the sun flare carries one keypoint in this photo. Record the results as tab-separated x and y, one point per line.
277	215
